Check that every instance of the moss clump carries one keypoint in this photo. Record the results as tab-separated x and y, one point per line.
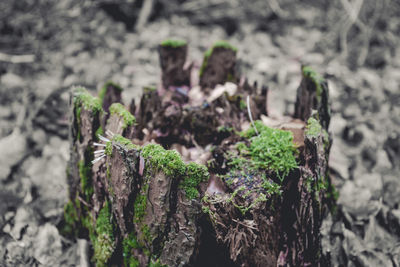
149	89
173	43
195	174
121	111
103	90
82	98
313	128
104	244
242	104
208	53
128	244
140	204
315	77
156	263
109	148
71	218
272	149
99	131
224	44
124	142
85	173
147	238
169	161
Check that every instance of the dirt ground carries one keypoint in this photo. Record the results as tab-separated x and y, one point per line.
48	46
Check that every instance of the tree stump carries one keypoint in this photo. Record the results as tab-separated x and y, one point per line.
202	176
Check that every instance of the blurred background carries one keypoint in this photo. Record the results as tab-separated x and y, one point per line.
48	46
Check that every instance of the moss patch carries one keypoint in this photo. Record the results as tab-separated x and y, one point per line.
124	142
141	204
313	128
71	218
99	131
272	149
128	244
195	174
208	53
85	173
109	148
121	111
242	104
169	161
315	77
173	43
104	244
82	98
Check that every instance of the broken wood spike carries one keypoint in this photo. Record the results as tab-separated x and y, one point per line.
173	55
110	93
313	94
218	65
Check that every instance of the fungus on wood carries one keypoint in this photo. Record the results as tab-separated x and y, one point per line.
190	180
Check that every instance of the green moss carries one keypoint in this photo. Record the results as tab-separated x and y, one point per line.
109	148
225	129
104	244
121	111
173	43
82	98
99	131
156	263
207	54
313	128
88	223
169	161
243	105
224	44
245	208
195	174
85	173
315	77
272	149
124	142
149	89
70	214
71	218
103	90
147	238
140	204
128	244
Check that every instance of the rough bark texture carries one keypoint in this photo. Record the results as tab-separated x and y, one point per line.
172	61
218	66
223	196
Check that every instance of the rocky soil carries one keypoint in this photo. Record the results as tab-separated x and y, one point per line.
67	43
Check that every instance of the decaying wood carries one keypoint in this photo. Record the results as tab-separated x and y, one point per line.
162	209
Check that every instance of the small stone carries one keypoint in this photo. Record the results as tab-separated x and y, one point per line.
39	137
24	217
357	201
391	190
12	80
13	149
48	245
372	182
338	161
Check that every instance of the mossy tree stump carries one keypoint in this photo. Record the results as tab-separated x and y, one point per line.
192	181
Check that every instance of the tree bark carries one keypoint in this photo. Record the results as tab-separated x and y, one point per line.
194	181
